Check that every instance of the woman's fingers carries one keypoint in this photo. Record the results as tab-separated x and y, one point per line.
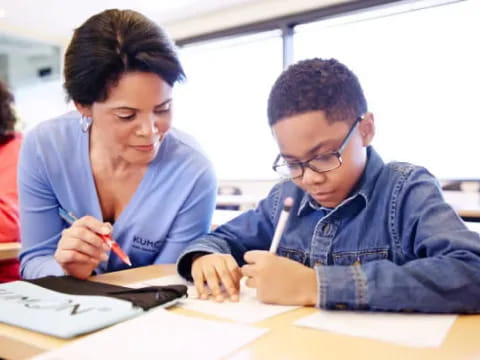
94	225
72	256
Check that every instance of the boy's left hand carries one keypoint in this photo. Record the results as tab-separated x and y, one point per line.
279	280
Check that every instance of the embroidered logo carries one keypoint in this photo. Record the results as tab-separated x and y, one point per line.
146	244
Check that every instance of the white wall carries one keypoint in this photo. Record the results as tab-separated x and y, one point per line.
40	101
258	189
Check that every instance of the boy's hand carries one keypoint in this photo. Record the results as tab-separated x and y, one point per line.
216	270
279	280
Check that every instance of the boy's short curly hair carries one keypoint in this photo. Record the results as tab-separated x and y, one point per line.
7	116
317	84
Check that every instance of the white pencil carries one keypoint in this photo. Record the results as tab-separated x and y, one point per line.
282	221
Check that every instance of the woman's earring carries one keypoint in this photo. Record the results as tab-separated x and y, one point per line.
85	123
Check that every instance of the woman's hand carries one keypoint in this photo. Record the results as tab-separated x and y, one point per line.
81	249
217	271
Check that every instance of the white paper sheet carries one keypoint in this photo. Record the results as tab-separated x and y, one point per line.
417	330
160	334
247	310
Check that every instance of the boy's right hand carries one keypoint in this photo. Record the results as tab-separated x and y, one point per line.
216	271
80	248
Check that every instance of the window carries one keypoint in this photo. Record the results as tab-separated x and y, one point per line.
420	72
223	103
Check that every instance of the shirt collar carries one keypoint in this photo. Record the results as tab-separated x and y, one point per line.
364	187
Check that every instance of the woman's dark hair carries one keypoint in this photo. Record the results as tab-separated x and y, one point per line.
7	116
114	42
317	84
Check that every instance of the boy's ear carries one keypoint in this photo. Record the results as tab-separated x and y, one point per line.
367	128
85	110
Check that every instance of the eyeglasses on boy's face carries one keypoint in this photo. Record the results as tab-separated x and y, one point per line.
320	163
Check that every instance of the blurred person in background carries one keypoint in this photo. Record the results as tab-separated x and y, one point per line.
9	149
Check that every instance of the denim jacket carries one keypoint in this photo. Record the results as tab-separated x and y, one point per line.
394	244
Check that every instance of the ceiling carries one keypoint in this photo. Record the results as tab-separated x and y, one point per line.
54	20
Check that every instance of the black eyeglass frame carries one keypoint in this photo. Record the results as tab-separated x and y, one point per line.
337	154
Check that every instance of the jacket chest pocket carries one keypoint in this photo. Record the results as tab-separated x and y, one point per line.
292	254
359	257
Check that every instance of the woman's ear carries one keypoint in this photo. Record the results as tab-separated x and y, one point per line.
367	128
85	110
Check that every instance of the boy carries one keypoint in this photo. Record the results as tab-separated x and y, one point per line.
361	235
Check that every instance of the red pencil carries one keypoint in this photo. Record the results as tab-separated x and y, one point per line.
112	244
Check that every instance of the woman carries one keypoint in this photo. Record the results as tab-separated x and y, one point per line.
116	163
9	149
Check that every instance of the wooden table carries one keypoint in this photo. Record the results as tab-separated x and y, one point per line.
469	214
283	341
9	250
467	204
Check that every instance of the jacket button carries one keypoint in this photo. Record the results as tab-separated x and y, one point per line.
326	228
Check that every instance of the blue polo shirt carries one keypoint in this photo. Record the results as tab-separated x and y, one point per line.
172	205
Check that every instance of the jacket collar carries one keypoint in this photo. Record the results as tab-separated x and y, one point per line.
363	188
